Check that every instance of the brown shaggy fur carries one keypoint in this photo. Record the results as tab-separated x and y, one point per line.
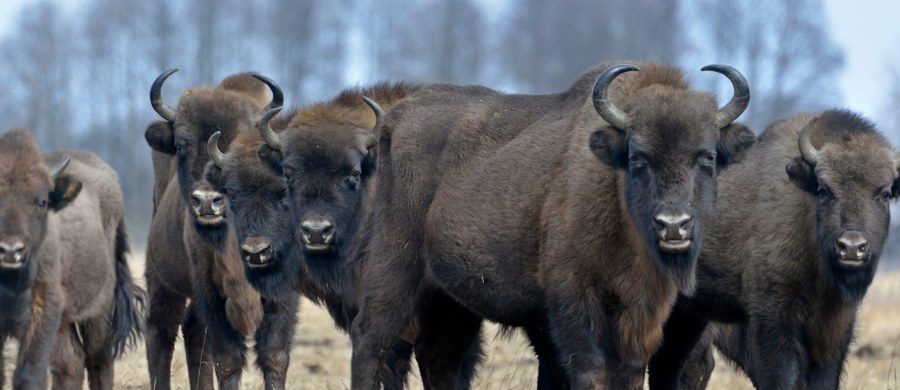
74	278
499	201
189	259
771	268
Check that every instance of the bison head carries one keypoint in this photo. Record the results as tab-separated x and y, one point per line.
230	108
258	211
851	177
29	191
669	143
327	168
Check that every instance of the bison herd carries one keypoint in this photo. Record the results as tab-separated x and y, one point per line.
626	226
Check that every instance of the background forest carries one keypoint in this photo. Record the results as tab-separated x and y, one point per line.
77	73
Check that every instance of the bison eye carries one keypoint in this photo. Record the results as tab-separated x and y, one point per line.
355	174
41	204
824	193
887	196
636	162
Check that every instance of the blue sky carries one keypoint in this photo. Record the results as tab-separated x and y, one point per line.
867	30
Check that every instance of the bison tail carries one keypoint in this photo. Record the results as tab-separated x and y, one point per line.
128	306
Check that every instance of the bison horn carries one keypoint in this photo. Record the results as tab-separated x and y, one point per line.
57	169
739	101
266	132
608	111
369	137
277	94
156	100
212	148
807	150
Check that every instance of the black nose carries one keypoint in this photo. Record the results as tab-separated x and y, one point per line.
852	245
12	252
317	231
674	224
207	203
256	250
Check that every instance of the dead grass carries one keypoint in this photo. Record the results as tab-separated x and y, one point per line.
321	355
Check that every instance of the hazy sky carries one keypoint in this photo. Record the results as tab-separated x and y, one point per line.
867	30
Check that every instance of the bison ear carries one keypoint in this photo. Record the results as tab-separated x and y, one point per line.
271	158
735	141
161	137
611	147
802	175
65	189
213	174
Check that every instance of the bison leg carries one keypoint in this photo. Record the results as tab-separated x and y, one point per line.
67	366
165	314
447	334
551	374
273	339
828	376
96	334
774	361
37	343
196	350
575	323
681	333
226	345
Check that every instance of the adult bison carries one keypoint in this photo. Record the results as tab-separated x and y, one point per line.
333	136
499	202
790	256
66	292
190	253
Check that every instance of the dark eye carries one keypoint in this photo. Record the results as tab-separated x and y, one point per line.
179	150
41	204
710	156
636	161
887	196
355	174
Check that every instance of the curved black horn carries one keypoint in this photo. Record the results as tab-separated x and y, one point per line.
55	170
156	100
266	132
212	148
379	112
739	101
608	111
807	150
277	94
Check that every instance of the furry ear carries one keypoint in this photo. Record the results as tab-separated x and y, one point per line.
735	141
65	189
271	158
160	135
213	175
610	146
802	175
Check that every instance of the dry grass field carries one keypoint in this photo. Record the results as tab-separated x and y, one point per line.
321	354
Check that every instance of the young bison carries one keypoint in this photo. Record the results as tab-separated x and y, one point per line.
790	256
533	211
66	292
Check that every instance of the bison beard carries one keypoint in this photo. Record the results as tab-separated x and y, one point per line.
499	203
789	259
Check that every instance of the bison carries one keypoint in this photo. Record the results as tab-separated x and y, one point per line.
190	254
66	292
791	254
269	222
533	211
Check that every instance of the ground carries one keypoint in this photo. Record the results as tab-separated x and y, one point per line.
321	354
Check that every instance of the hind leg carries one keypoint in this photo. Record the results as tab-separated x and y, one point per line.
448	332
197	351
165	314
98	353
67	363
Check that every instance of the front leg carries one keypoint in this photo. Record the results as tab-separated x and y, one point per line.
226	345
827	375
577	324
775	361
273	339
37	342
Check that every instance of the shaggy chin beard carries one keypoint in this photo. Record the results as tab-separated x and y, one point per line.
680	268
851	283
214	235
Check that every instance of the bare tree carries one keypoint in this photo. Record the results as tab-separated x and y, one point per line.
782	47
